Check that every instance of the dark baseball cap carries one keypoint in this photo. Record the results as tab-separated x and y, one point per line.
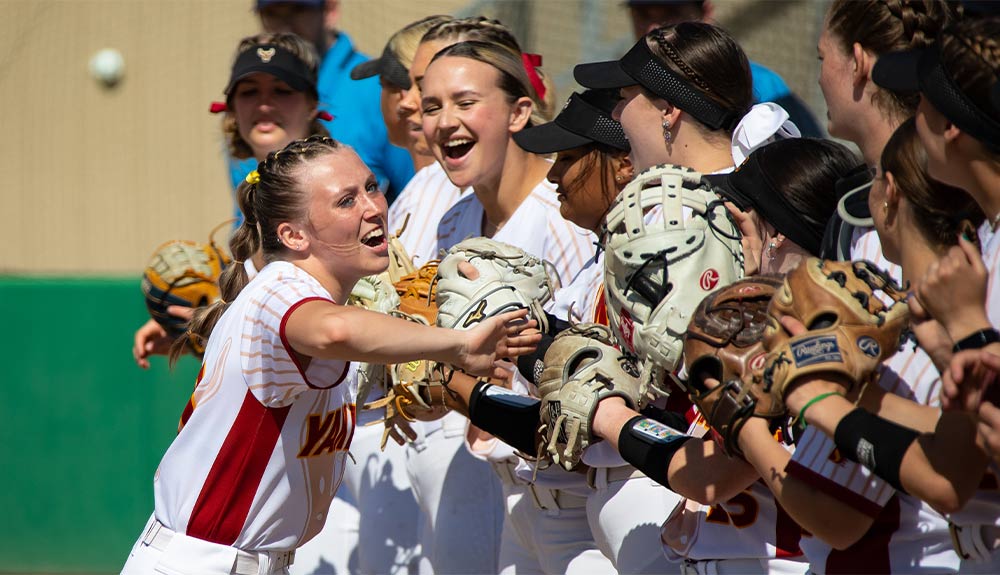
639	66
387	66
923	71
309	3
584	119
276	61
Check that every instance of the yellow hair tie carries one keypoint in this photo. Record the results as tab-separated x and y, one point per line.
253	177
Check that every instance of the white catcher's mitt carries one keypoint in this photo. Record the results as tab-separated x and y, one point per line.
582	367
669	241
509	279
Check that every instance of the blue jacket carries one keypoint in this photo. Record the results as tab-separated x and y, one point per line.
357	120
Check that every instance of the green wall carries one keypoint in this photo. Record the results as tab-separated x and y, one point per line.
82	428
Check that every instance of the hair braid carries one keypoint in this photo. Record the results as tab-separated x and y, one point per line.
660	36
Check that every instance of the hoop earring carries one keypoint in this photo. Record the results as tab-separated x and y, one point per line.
769	252
667	136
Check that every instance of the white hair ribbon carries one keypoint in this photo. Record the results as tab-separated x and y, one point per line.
764	123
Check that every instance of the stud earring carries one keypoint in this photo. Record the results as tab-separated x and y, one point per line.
618	179
667	136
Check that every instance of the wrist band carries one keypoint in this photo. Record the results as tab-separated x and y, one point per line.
876	443
801	419
977	340
649	446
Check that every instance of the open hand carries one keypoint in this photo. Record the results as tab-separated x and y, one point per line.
497	338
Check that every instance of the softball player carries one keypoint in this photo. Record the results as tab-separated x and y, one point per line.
470	509
870	119
387	524
261	449
545	527
959	128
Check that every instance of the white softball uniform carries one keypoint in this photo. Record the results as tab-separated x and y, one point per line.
865	245
262	445
545	527
907	534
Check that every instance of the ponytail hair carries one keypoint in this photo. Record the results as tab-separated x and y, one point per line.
269	196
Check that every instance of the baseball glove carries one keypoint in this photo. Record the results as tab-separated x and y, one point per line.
582	367
851	329
509	279
182	273
416	391
669	241
724	342
374	294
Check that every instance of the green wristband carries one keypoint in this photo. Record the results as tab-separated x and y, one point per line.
801	419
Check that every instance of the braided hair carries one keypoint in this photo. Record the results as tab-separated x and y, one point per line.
970	51
710	60
270	195
882	26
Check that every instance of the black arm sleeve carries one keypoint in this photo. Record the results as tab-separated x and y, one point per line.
508	415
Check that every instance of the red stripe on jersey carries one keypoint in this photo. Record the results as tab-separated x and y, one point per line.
788	533
189	408
294	354
832	488
870	554
222	507
601	307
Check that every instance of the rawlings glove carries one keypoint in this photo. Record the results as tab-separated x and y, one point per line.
182	273
669	240
851	330
724	341
582	367
509	279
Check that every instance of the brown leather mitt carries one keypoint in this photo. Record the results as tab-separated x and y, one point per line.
851	327
724	343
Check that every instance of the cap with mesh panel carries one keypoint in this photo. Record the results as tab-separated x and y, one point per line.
276	61
585	119
639	66
922	70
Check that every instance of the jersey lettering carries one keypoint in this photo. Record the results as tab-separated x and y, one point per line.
743	517
328	433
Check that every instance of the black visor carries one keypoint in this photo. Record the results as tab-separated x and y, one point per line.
750	187
923	71
584	120
640	66
277	62
387	66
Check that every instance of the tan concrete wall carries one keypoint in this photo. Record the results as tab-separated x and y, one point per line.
91	180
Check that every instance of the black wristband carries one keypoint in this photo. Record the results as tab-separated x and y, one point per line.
876	443
508	415
977	340
649	446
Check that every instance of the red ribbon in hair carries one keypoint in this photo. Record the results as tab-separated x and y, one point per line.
532	61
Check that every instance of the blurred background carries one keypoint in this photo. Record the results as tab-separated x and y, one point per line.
93	178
